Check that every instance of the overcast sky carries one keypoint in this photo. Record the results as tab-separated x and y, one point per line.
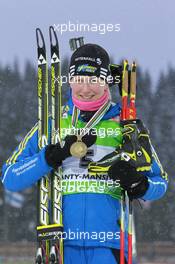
146	33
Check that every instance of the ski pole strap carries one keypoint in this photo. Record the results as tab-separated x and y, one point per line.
94	120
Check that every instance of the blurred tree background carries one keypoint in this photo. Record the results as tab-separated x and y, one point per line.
155	221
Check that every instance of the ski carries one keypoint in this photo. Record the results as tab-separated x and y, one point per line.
56	251
43	136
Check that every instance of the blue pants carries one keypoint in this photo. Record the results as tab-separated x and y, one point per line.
88	255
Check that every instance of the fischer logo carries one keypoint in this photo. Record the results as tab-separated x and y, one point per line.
53	81
57	200
39	82
44	204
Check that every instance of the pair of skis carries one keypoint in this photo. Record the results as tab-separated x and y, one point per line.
49	218
128	113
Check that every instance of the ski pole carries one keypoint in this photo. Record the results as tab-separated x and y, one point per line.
131	115
123	201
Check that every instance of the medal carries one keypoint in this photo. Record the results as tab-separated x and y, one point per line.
78	149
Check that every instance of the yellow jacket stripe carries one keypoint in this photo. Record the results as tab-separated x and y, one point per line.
22	145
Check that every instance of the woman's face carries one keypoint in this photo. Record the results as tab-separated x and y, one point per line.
87	89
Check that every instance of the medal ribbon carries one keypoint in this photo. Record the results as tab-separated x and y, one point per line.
94	120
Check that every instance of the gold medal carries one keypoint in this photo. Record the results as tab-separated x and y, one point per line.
78	148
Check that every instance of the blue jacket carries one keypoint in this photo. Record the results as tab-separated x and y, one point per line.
96	214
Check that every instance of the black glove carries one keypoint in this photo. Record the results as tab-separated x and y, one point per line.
135	183
54	154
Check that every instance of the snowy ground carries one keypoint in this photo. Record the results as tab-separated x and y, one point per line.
27	260
22	260
23	253
15	260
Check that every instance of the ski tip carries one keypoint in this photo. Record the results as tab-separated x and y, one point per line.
53	36
40	38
